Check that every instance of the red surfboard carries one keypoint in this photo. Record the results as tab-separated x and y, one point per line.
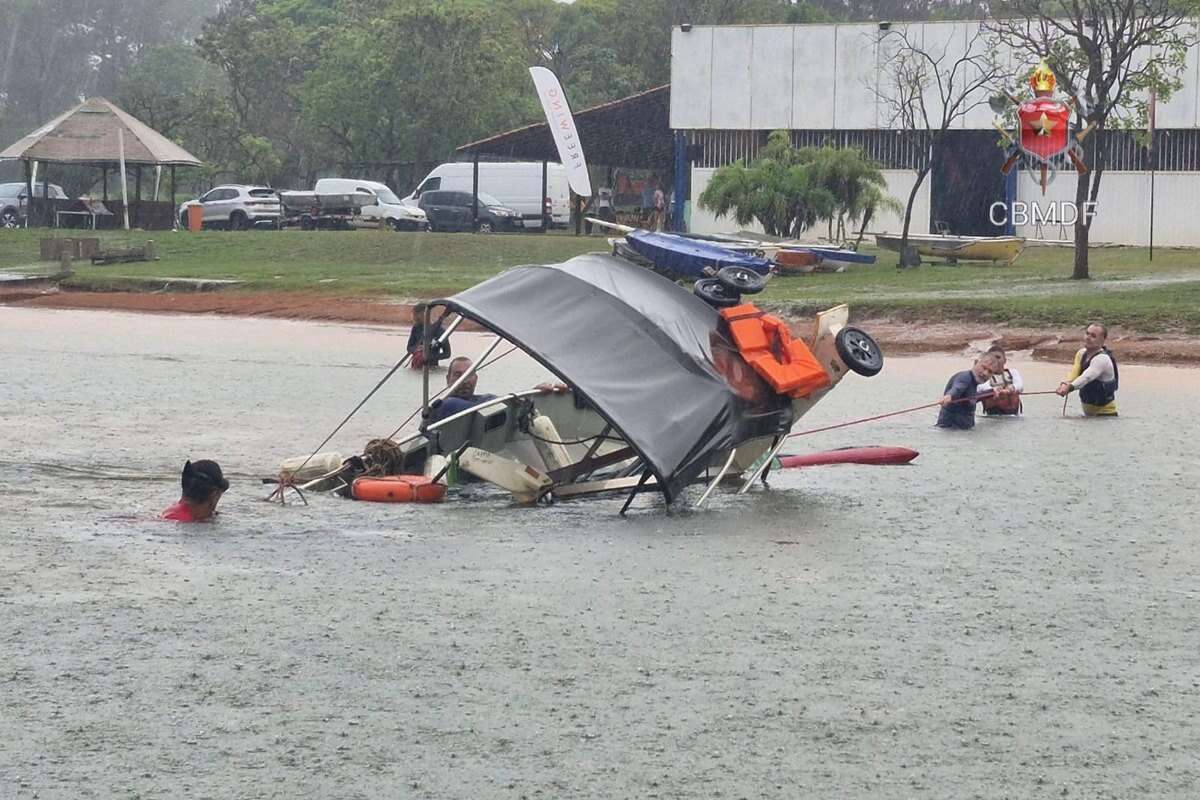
850	455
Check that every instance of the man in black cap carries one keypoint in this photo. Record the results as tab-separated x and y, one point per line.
203	485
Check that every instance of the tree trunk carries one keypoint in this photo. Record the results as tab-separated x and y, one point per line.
912	198
867	214
1083	222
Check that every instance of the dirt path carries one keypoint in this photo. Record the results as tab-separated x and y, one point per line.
895	336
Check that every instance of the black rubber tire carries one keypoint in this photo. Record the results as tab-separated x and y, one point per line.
859	351
183	222
741	279
484	227
714	292
10	219
237	221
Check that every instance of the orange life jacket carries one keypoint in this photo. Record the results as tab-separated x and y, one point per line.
768	347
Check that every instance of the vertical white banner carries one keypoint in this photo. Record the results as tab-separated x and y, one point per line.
562	125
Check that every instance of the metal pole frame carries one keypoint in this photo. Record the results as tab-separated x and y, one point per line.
426	340
475	193
716	480
545	188
682	170
776	447
647	475
28	191
46	215
1153	159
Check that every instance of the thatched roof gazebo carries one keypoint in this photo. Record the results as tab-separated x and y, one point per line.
97	133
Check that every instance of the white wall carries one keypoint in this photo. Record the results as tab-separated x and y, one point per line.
827	76
899	183
1123	208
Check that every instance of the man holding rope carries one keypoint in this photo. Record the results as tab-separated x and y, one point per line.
960	395
1094	374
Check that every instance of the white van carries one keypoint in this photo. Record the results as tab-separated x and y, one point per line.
387	208
516	184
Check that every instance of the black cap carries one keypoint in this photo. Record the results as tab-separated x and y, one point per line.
205	471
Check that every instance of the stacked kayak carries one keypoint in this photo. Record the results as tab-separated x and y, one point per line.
690	259
796	259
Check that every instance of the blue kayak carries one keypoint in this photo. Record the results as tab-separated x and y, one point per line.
838	255
690	258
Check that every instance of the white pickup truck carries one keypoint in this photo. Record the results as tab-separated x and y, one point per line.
351	203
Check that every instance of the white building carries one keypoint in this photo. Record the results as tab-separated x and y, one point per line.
732	85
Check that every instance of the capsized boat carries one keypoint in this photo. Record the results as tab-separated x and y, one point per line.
668	387
1004	249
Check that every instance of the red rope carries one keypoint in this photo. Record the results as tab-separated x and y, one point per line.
972	399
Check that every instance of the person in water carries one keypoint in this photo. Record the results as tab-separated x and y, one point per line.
203	485
464	396
1005	386
1094	374
416	340
958	398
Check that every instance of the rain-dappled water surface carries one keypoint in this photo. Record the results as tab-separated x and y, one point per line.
1012	615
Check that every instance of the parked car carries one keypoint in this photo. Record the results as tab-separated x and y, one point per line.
454	211
236	207
516	184
14	203
386	208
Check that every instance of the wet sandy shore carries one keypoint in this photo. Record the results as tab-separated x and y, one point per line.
896	337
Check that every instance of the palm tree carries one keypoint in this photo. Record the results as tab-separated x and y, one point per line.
856	183
788	190
780	189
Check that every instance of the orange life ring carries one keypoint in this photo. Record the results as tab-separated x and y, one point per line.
398	489
766	344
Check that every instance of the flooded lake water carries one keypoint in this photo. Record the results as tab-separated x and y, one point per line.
1012	615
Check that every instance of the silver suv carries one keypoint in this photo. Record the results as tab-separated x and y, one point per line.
14	201
236	207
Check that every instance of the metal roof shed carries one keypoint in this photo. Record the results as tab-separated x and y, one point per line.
634	131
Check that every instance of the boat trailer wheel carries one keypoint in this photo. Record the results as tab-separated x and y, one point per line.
859	351
741	279
716	293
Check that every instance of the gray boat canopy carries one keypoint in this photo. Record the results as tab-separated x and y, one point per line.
638	348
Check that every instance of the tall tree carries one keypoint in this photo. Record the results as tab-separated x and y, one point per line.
1108	54
457	76
926	88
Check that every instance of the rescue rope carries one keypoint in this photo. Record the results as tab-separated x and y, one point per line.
288	482
972	399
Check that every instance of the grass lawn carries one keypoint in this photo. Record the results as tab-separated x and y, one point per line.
1127	289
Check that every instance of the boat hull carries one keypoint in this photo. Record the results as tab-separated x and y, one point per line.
960	248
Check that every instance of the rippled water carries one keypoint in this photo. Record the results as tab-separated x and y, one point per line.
1014	613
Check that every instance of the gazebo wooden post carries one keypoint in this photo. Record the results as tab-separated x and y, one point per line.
46	215
137	195
104	172
172	193
28	191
